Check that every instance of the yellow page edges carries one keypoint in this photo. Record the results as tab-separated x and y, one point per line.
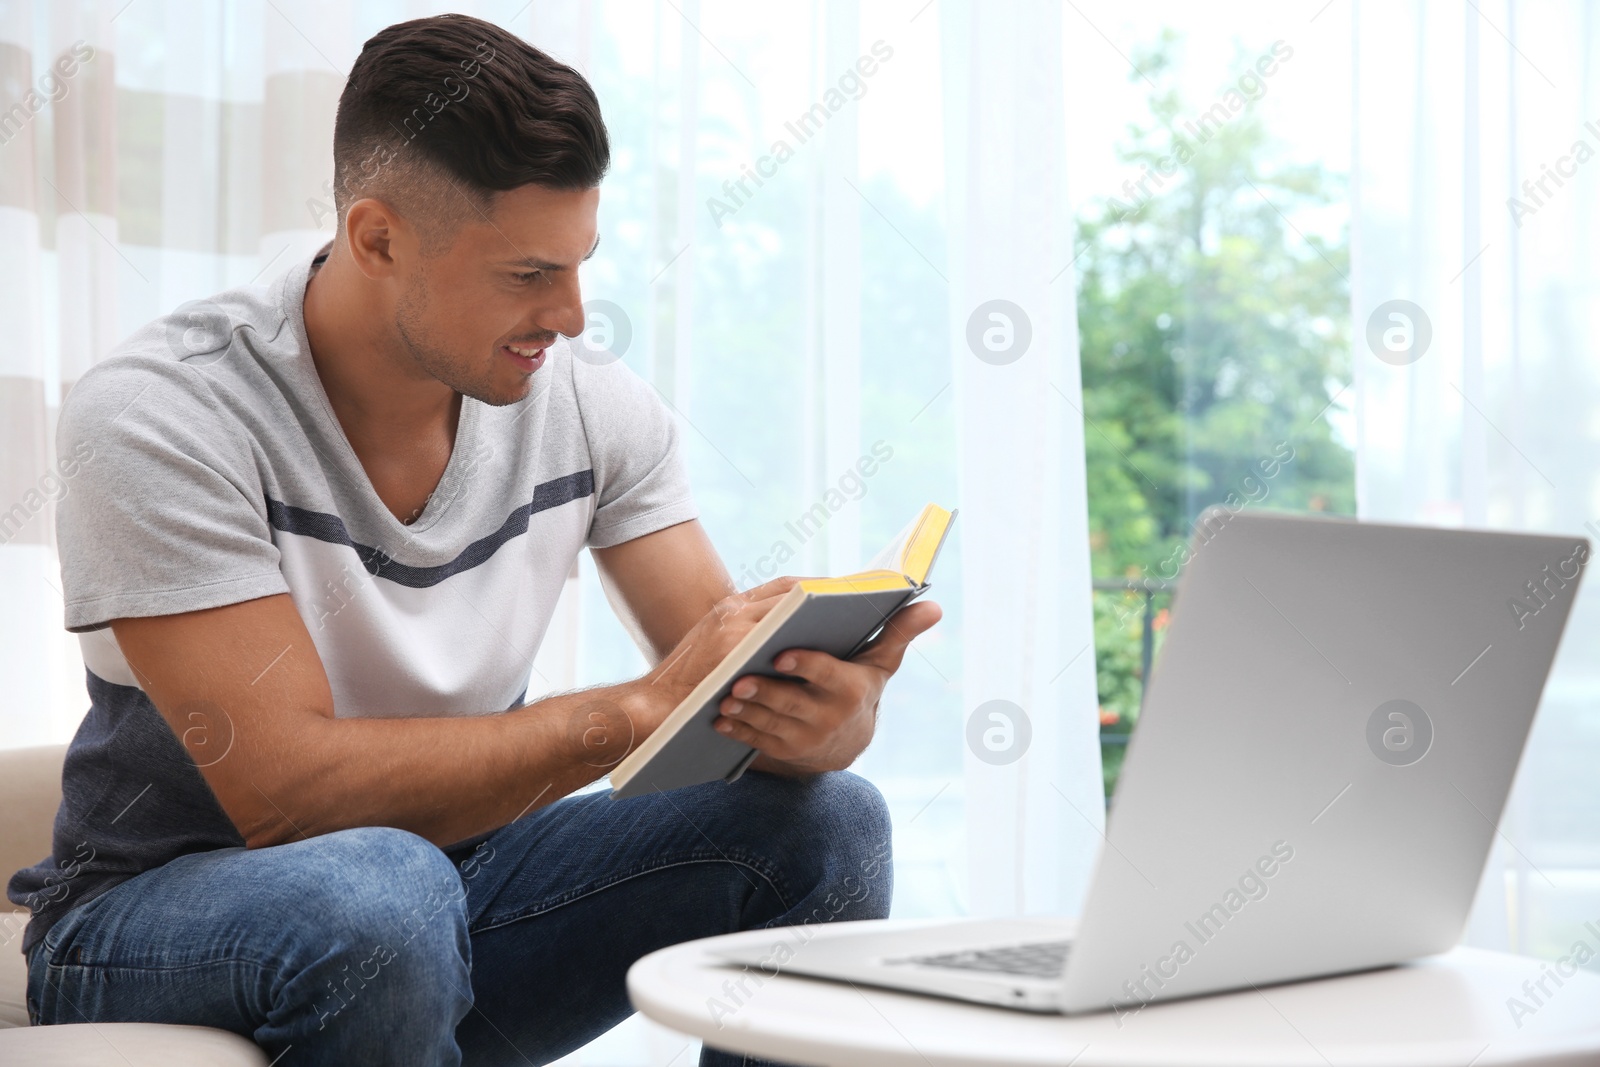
865	582
924	542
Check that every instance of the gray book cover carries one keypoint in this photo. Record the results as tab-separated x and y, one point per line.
836	623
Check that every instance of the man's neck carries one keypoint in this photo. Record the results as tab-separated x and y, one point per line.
379	393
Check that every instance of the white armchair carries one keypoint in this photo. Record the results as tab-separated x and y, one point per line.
30	790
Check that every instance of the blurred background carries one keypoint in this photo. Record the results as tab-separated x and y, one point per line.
1079	268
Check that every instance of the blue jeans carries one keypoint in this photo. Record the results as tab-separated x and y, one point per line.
374	946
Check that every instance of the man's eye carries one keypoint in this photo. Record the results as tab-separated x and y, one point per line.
526	278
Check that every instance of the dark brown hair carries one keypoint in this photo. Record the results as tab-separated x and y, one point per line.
455	98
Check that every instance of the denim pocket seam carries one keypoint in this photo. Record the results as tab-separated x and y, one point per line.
56	975
144	968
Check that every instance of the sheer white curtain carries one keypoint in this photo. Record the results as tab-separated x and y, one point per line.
800	308
1027	632
1474	198
58	228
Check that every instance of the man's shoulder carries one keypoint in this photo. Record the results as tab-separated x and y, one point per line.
610	396
578	395
171	368
590	370
135	391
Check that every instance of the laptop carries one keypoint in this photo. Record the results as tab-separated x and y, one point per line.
1327	741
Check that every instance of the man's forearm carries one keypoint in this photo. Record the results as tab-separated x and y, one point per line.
445	779
290	768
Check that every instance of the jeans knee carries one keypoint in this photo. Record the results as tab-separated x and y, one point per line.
836	843
861	846
378	899
398	887
853	804
389	913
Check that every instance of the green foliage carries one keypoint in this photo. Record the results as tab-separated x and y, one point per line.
1119	668
1118	637
1214	331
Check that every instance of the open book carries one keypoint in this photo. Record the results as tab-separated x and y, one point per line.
834	615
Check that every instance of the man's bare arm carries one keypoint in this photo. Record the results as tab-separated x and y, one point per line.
663	583
244	690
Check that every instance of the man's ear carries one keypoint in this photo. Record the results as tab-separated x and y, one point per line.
372	228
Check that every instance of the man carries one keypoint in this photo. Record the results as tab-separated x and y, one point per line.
317	538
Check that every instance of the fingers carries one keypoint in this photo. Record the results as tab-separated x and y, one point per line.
885	652
889	648
719	630
772	744
776	587
788	718
752	605
759	718
761	727
774	695
818	668
774	707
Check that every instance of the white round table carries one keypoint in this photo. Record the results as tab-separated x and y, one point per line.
1452	1010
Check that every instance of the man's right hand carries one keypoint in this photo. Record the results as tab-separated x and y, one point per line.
653	697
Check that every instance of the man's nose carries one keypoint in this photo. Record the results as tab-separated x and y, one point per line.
565	315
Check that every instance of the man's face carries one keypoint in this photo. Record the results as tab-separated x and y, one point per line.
479	316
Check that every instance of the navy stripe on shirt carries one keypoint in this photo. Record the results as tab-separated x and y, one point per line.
379	564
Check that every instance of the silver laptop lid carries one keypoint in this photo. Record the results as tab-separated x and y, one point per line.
1327	742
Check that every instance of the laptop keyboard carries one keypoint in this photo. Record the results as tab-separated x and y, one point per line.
1040	959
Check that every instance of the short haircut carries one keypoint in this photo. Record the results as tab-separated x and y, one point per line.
441	113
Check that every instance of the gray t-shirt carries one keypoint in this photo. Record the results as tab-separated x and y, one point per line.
212	470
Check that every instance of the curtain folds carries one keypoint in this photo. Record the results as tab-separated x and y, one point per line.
1033	822
1474	200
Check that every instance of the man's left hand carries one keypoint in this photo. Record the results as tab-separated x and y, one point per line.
823	717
